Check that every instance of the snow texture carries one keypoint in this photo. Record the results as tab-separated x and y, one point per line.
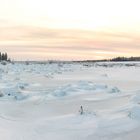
42	101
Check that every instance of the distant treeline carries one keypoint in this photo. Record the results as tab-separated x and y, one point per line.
4	57
116	59
125	59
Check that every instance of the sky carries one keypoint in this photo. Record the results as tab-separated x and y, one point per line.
69	29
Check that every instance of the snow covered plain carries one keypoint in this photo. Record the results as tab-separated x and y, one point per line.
42	101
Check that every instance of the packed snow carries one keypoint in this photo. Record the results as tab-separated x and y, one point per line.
42	101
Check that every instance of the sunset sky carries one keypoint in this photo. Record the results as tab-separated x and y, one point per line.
69	29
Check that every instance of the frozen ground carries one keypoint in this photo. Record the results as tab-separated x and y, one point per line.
42	101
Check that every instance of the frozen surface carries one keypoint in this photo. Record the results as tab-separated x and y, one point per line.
42	101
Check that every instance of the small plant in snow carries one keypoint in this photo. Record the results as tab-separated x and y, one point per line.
81	110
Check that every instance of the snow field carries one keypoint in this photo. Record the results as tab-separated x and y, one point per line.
42	101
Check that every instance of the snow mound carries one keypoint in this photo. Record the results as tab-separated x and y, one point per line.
20	90
14	91
136	99
135	113
114	90
81	87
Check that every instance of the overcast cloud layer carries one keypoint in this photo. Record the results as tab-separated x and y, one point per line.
62	29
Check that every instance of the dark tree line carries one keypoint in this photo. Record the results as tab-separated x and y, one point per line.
126	59
4	57
116	59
